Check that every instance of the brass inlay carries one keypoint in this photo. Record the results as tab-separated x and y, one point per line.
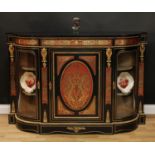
45	116
76	129
96	46
66	123
38	85
62	110
121	41
44	56
91	109
142	50
114	85
61	60
11	50
13	107
109	54
140	107
107	116
27	41
50	85
76	42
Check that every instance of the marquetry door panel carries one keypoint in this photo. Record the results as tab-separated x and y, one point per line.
76	85
28	98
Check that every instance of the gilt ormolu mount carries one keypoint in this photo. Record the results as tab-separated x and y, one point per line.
77	84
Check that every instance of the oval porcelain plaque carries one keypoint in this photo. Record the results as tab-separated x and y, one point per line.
76	85
125	82
28	82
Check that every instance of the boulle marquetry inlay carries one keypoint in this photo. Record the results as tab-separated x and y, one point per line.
76	42
76	85
27	41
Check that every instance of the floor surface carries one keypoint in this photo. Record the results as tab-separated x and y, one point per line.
142	133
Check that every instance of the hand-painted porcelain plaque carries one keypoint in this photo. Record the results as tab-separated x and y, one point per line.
28	82
125	82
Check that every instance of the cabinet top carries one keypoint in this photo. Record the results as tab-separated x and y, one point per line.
84	40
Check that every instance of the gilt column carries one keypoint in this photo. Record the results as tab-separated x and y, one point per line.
141	83
12	85
44	83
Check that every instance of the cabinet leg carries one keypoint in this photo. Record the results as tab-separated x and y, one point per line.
142	118
11	118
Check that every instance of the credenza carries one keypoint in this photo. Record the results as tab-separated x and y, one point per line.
77	84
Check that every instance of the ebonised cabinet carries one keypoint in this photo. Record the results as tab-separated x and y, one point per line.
71	84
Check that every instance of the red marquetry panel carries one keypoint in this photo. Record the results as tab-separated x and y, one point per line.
44	85
61	109
91	60
27	42
108	86
12	76
141	79
76	85
126	41
76	42
61	60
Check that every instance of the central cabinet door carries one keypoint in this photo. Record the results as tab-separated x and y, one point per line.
75	76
